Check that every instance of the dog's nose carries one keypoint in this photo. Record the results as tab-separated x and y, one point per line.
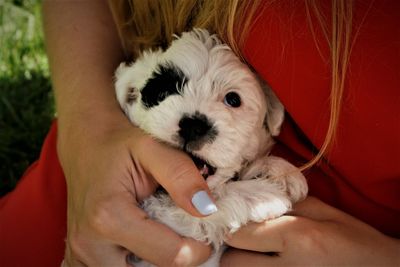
194	127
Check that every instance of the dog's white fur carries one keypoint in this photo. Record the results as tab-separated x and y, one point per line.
267	185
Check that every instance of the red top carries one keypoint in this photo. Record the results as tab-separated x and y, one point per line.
363	173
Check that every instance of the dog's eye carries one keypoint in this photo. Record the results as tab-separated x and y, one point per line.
232	99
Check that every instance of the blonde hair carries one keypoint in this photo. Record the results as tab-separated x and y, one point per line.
152	23
340	44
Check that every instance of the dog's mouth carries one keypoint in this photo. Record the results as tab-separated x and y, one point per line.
203	166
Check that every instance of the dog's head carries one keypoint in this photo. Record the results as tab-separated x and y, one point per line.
198	96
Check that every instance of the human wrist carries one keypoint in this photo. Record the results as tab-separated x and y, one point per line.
91	119
82	129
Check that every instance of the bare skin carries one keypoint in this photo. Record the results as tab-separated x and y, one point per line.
315	234
109	164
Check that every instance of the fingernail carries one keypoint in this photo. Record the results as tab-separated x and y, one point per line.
203	203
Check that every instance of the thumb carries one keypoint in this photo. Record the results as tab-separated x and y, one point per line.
176	172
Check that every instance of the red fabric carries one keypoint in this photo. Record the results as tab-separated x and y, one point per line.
363	175
33	216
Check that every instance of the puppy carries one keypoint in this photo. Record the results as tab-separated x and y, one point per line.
199	97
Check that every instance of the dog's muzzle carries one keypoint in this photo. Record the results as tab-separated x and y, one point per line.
194	128
203	166
194	131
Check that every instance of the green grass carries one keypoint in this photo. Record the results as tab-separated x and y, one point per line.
26	100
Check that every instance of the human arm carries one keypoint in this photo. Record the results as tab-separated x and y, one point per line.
108	163
314	234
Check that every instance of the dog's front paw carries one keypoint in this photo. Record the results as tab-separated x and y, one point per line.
254	200
279	171
290	176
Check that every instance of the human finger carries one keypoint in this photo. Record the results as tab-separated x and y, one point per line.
176	172
271	236
131	228
69	259
315	209
239	258
87	249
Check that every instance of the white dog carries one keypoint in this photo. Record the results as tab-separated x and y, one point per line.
199	97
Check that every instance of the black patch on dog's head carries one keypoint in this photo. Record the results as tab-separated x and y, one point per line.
165	81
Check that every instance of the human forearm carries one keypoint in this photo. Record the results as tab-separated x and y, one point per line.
83	49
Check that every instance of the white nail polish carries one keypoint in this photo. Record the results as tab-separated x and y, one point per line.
203	203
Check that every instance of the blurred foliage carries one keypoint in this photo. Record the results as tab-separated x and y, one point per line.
26	100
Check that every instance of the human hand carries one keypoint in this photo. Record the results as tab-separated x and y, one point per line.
315	234
108	163
109	168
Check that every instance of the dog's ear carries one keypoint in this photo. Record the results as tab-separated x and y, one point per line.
125	92
275	112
